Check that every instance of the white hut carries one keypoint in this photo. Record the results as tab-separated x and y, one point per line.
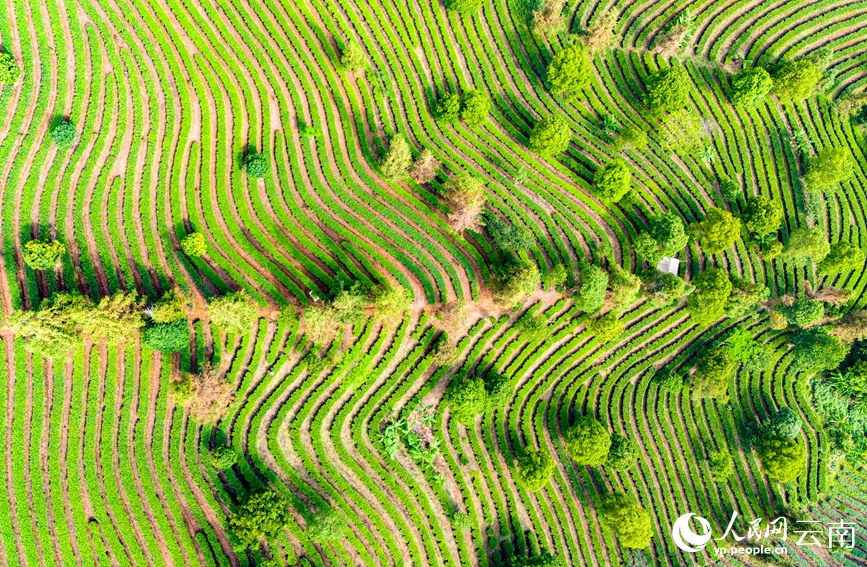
668	265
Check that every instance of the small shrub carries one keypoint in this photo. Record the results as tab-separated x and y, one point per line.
9	69
194	245
43	255
256	165
64	134
167	337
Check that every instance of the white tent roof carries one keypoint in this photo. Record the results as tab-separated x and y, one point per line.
670	265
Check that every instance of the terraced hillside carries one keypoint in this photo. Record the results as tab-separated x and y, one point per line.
390	428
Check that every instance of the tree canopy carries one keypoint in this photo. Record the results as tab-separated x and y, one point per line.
353	57
63	133
398	159
507	236
465	197
712	375
761	215
717	231
256	164
475	106
623	453
43	255
587	440
607	328
631	138
263	516
167	337
842	259
171	307
721	466
782	458
448	109
464	7
518	283
390	302
795	80
194	245
806	244
667	89
624	516
534	468
467	398
831	166
612	181
744	296
594	285
784	423
9	69
816	350
327	524
550	136
751	86
569	70
234	312
803	312
708	302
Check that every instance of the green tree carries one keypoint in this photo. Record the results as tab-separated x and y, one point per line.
816	350
55	328
532	328
631	138
256	164
465	197
263	516
721	466
507	236
795	80
667	89
467	398
555	278
234	312
328	524
319	323
647	248
750	87
170	308
744	348
784	423
666	288
717	231
712	374
519	283
448	109
541	559
534	468
167	337
498	389
625	287
194	245
803	313
612	181
623	453
587	440
607	328
569	70
806	244
830	167
550	136
398	158
116	319
708	302
43	255
761	215
347	304
668	231
594	285
625	517
782	459
461	521
223	457
842	259
9	69
744	296
353	57
464	7
475	106
63	133
390	302
731	190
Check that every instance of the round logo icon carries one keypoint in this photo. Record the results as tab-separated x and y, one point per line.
685	538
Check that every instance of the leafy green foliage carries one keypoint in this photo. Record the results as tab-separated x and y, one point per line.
390	303
532	328
194	245
717	231
256	164
607	328
541	559
667	89
507	236
116	319
665	288
223	457
475	106
555	278
731	190
167	337
721	466
631	138
347	304
627	519
467	398
448	109
550	136
569	70
744	296
233	313
744	348
353	57
712	374
623	453
795	80
761	215
170	308
803	312
55	328
708	302
830	167
9	69
64	134
42	255
669	382
625	287
782	459
666	237
612	181
784	423
398	158
464	7
498	389
534	468
519	282
816	350
327	525
594	285
750	87
842	259
587	440
806	244
263	516
319	323
465	197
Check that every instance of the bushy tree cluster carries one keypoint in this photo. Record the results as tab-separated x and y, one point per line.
795	80
708	302
665	288
518	282
612	181
745	349
717	231
627	519
803	312
464	7
830	167
207	394
587	440
353	57
170	308
63	133
761	215
234	312
390	302
623	453
43	255
806	244
569	70
712	374
815	350
721	466
467	398
256	164
665	237
842	259
398	159
594	284
264	515
534	468
607	328
744	296
465	197
667	89
782	458
625	287
550	136
327	524
750	87
475	107
507	236
9	69
194	245
167	337
424	169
